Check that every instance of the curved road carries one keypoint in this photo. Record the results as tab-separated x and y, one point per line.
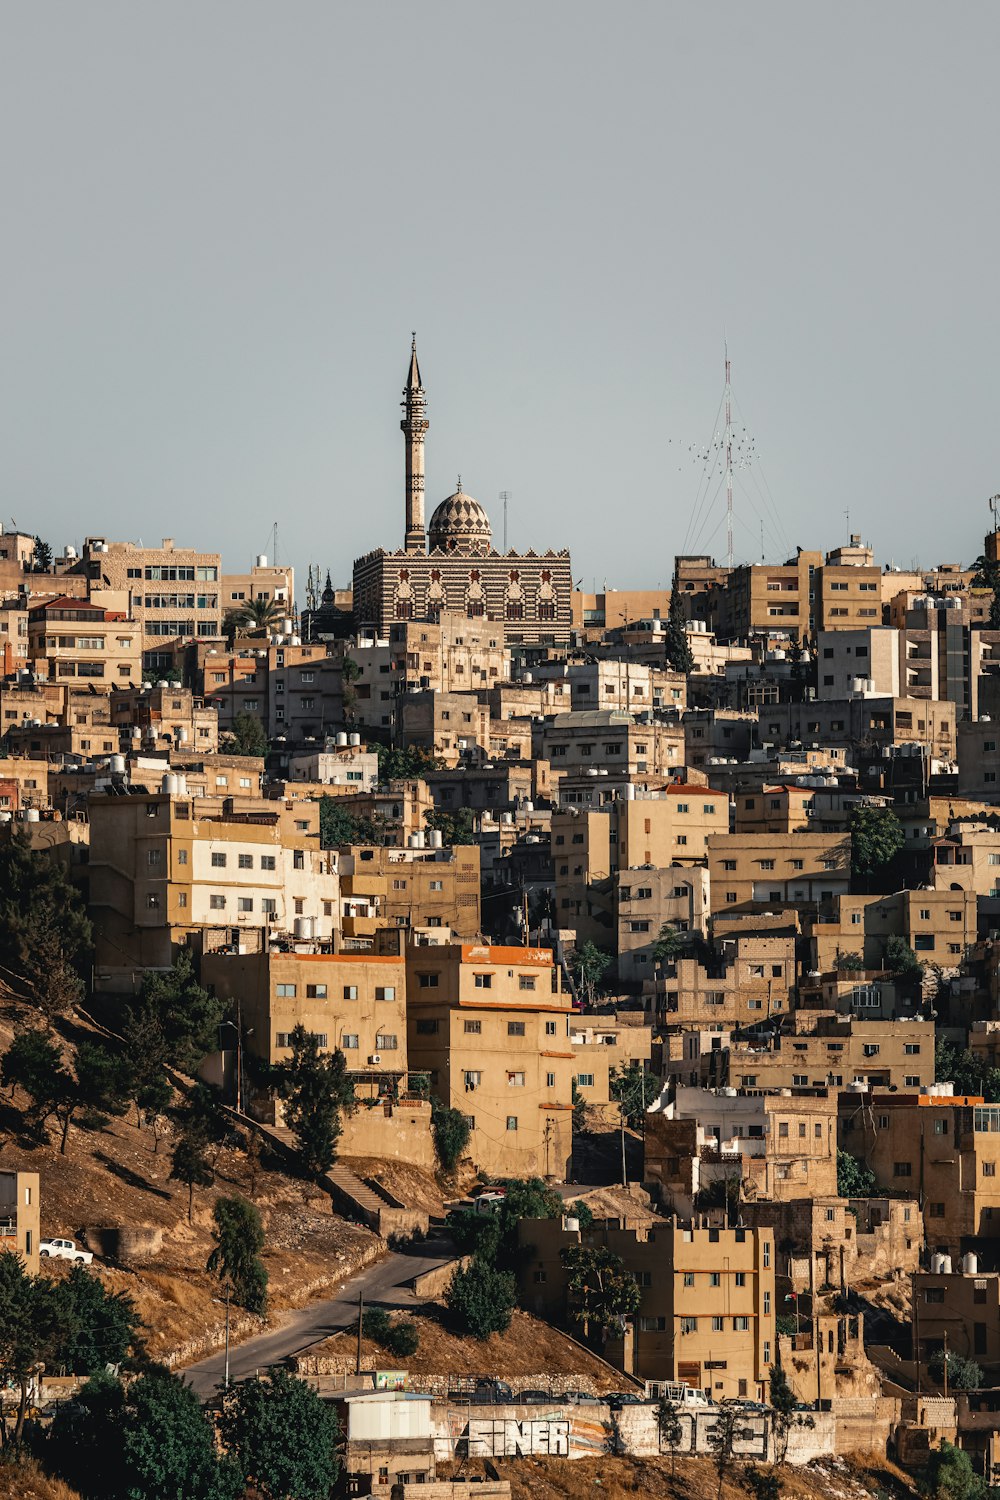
316	1321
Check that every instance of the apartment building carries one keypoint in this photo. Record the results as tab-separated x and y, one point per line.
868	661
13	634
19	1217
877	723
295	690
263	582
777	1146
774	809
496	788
26	782
848	589
958	1310
978	752
707	1315
352	1002
645	902
943	1147
968	858
174	591
166	872
696	577
828	1052
452	727
412	888
453	654
759	598
712	735
749	978
165	717
602	1048
939	926
615	683
76	638
398	810
609	740
753	871
343	762
617	607
491	1027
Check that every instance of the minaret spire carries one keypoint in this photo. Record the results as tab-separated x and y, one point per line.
413	426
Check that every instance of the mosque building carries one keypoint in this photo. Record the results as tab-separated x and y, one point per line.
453	564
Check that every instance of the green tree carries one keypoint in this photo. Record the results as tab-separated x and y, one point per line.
963	1374
582	1212
454	827
675	640
589	966
600	1289
189	1164
854	1179
899	957
405	764
283	1438
96	1327
246	737
987	576
481	1299
150	1441
949	1475
969	1073
316	1089
635	1088
876	838
784	1412
671	944
451	1134
144	1047
670	1428
258	615
33	1063
100	1089
41	557
401	1339
29	1320
850	963
579	1108
174	1005
338	826
721	1192
494	1236
45	935
239	1239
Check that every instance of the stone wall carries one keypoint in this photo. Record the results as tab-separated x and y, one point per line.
397	1132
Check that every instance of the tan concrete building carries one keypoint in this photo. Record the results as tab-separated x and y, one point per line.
958	1310
19	1217
751	978
612	740
353	1002
174	591
646	901
601	1049
491	1026
828	1052
781	1147
617	607
452	727
708	1299
945	1148
295	690
263	581
411	889
939	926
73	638
761	598
165	717
166	873
774	809
756	871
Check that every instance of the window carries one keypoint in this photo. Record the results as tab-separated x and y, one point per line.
217	903
268	905
483	981
989	1169
285	991
349	1041
741	1278
767	864
729	864
267	862
901	1169
689	1325
350	992
515	1080
512	1122
936	1210
245	861
515	1028
550	1028
218	861
385	1041
245	903
689	1278
550	1080
714	1278
911	1049
315	991
584	1080
427	1026
740	1325
718	1324
473	1028
428	981
385	992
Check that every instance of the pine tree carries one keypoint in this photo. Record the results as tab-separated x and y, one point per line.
678	648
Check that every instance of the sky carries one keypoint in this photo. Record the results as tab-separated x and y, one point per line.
223	218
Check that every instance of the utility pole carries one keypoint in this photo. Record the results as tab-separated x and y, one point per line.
229	1289
361	1319
916	1326
946	1364
239	1055
621	1113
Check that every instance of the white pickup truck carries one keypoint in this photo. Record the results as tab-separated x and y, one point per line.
64	1250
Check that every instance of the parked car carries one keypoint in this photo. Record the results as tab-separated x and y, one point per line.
540	1396
751	1405
64	1250
582	1398
624	1398
485	1392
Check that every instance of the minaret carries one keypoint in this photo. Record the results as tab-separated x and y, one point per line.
413	427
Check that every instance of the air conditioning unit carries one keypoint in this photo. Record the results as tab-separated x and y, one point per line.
375	1059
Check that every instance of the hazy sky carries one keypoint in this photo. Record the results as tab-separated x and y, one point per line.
221	220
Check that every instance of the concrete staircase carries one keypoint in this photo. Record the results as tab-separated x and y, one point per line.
370	1204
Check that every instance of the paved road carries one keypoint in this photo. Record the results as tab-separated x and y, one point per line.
381	1282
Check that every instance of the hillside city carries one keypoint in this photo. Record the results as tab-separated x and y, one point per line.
456	1026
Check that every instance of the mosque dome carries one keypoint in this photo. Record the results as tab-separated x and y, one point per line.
460	524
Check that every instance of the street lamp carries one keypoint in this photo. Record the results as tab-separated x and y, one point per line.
228	1289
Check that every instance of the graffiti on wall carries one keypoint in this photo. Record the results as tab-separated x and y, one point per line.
509	1438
